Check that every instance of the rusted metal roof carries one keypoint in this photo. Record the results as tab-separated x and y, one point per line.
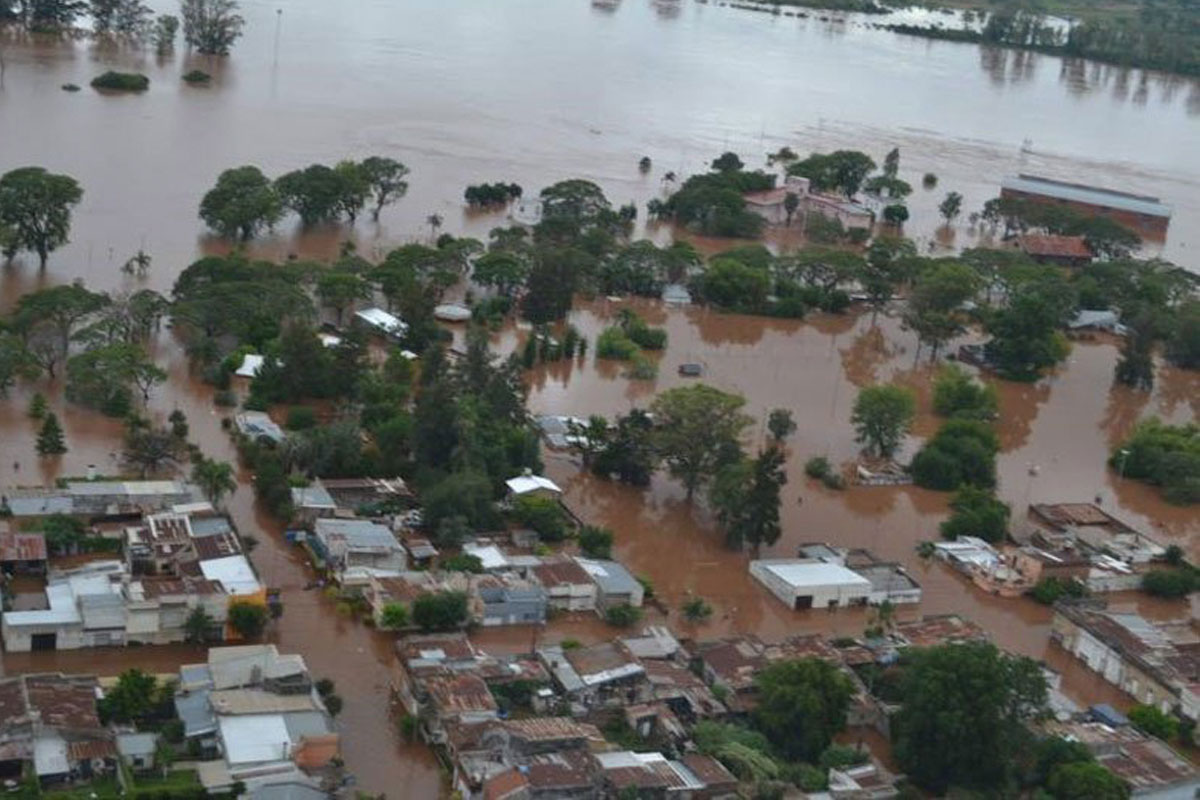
22	546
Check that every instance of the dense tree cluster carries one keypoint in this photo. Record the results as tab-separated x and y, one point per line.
711	203
1166	456
489	195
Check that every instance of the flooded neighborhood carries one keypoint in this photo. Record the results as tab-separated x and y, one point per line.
572	493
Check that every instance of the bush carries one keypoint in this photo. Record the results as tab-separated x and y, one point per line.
613	343
641	368
1167	456
121	81
833	480
956	395
817	467
646	337
463	562
595	542
1049	591
1171	583
1151	721
197	76
301	418
929	180
440	611
977	512
542	515
623	616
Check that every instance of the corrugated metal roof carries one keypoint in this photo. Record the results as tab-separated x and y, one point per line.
1091	195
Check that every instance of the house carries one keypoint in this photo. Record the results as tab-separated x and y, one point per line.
100	499
1157	663
600	675
851	215
479	754
138	750
490	556
653	775
49	724
568	586
771	204
258	425
869	781
563	775
21	551
937	629
890	582
356	549
507	599
312	502
615	586
1147	765
803	583
1065	251
1144	214
734	662
532	486
1088	527
1097	320
382	322
261	710
402	590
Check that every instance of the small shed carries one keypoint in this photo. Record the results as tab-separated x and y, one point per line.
533	486
137	750
251	364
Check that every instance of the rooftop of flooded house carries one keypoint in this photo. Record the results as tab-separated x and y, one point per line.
1054	246
939	629
1090	195
737	660
578	668
454	693
53	699
358	535
561	572
1065	524
250	665
1168	648
21	546
1145	763
97	497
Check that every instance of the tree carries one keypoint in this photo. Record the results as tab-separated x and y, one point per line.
791	202
211	26
440	611
884	270
698	432
315	193
1086	781
951	206
780	424
1136	367
131	700
1183	346
895	214
1150	720
962	452
38	406
956	395
1171	583
165	28
882	416
745	496
150	449
200	627
503	270
215	479
248	619
963	715
977	512
15	362
622	616
102	378
734	285
339	290
802	704
595	542
127	17
243	203
385	180
842	170
353	189
394	616
334	704
61	308
50	440
628	451
935	305
891	163
36	206
1025	337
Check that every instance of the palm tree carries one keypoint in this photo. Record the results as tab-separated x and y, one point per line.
215	479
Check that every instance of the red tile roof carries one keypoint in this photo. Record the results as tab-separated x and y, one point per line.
1049	246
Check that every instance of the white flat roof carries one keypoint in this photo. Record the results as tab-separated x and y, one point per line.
233	572
378	318
254	738
802	572
531	483
488	554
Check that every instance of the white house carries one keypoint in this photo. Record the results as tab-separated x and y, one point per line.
532	486
811	583
356	549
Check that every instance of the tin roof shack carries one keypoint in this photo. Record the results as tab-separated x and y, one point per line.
1065	251
601	675
735	661
21	551
1156	663
49	722
561	776
1145	214
507	599
1087	526
481	752
615	585
568	585
356	549
868	781
1149	766
654	775
937	630
97	500
803	583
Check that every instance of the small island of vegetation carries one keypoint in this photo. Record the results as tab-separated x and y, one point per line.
121	81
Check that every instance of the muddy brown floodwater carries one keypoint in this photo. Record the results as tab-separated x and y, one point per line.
465	91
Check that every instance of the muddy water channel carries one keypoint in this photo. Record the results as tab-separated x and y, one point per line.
465	91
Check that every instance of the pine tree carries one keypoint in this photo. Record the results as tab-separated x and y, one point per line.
50	440
37	406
